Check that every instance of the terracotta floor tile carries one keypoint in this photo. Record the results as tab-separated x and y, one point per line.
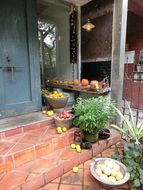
51	131
29	139
87	164
5	147
50	186
90	181
28	167
44	165
73	178
34	184
43	148
69	153
81	166
19	147
12	179
57	180
92	188
38	132
15	138
59	142
24	156
70	187
109	152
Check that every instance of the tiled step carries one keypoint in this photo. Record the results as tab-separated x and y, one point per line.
26	143
40	171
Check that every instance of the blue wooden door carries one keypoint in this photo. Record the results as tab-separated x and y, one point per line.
19	63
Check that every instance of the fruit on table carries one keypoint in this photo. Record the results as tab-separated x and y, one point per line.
76	82
75	169
109	170
84	82
56	94
94	84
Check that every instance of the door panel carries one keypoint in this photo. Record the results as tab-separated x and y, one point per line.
19	63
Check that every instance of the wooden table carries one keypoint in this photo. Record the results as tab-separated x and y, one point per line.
80	90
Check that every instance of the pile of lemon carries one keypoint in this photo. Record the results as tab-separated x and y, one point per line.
60	130
56	94
76	147
48	113
109	171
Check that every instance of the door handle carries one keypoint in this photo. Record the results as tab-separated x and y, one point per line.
10	68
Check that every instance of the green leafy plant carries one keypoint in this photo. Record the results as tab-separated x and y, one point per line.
131	157
93	113
128	127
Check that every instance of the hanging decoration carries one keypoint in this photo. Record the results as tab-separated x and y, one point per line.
88	26
73	36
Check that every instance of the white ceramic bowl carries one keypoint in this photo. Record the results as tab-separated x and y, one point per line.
123	169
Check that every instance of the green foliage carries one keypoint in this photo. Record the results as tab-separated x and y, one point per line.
129	128
93	113
131	157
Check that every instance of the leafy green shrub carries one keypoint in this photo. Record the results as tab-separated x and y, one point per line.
93	113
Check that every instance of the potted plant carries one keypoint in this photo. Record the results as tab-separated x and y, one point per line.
91	115
132	155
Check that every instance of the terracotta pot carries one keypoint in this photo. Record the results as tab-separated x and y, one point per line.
91	137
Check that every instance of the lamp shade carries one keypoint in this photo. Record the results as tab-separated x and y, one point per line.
88	26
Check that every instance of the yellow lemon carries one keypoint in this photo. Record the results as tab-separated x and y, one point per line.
44	111
59	128
116	167
106	162
52	112
102	167
107	171
111	178
64	129
73	146
98	166
78	150
60	94
59	131
77	146
104	177
98	171
75	169
113	172
119	176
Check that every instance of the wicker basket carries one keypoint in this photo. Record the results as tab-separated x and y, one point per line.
58	102
64	123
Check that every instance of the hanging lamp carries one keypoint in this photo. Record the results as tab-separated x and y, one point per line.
88	26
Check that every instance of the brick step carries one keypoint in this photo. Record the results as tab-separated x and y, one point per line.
42	170
22	128
37	139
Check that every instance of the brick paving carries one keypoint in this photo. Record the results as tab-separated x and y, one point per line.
83	180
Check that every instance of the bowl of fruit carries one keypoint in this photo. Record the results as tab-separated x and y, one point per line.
109	172
64	119
57	99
